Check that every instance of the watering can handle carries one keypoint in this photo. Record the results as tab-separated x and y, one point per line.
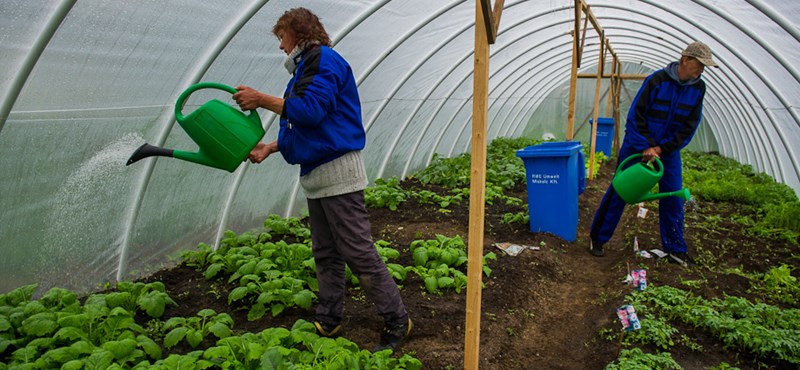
639	155
204	85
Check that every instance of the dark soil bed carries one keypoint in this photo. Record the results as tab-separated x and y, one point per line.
542	309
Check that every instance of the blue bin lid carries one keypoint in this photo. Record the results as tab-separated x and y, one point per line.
551	149
603	121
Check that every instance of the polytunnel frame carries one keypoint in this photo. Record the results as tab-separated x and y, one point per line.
607	89
547	85
553	80
772	89
167	122
724	86
544	67
413	70
771	118
776	92
728	132
543	85
541	69
752	93
437	141
724	127
741	27
29	62
747	110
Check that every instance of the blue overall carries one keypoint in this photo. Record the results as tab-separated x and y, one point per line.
670	209
665	113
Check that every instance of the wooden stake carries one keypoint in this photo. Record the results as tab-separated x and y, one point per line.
573	79
596	108
480	103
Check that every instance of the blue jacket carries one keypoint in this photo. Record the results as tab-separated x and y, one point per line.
665	112
321	118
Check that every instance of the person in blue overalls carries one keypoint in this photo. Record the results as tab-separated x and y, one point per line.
662	120
321	130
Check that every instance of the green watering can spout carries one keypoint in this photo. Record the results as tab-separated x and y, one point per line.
223	133
683	194
633	184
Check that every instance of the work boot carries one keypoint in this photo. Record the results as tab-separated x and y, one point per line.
683	259
324	330
596	248
393	336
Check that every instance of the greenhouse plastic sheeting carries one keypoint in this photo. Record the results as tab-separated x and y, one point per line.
85	83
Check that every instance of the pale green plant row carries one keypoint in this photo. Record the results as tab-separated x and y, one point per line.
57	331
764	330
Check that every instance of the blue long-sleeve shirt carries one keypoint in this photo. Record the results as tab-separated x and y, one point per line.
665	112
321	118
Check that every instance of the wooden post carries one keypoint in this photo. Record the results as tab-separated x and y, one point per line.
611	86
485	32
573	77
600	68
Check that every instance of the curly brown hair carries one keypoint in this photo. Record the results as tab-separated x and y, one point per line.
305	26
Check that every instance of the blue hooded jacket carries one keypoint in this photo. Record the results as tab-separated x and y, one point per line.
665	112
321	118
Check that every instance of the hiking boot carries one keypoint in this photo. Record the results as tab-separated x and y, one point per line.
596	249
682	259
393	336
324	330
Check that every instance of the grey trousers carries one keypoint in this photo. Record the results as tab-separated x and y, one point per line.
340	233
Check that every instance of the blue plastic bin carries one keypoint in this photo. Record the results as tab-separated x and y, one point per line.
605	135
555	175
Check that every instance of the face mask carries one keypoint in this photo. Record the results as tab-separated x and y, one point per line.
291	62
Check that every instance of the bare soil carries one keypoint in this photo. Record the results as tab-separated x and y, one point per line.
542	309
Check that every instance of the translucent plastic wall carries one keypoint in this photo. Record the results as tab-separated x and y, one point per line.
86	82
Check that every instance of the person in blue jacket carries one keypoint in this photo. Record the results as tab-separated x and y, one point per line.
321	130
662	120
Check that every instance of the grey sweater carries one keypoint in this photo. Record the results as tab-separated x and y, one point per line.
342	175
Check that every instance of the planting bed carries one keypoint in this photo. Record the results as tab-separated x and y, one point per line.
552	308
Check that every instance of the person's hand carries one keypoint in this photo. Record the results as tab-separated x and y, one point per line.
247	97
262	151
650	153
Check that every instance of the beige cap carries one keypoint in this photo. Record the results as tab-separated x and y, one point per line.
701	52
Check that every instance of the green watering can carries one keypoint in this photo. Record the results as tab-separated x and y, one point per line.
635	182
223	133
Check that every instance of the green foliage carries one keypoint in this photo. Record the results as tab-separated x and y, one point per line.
503	171
298	348
279	226
762	329
271	276
56	331
656	331
719	179
599	159
635	359
151	298
195	329
385	194
516	218
448	172
779	284
441	263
